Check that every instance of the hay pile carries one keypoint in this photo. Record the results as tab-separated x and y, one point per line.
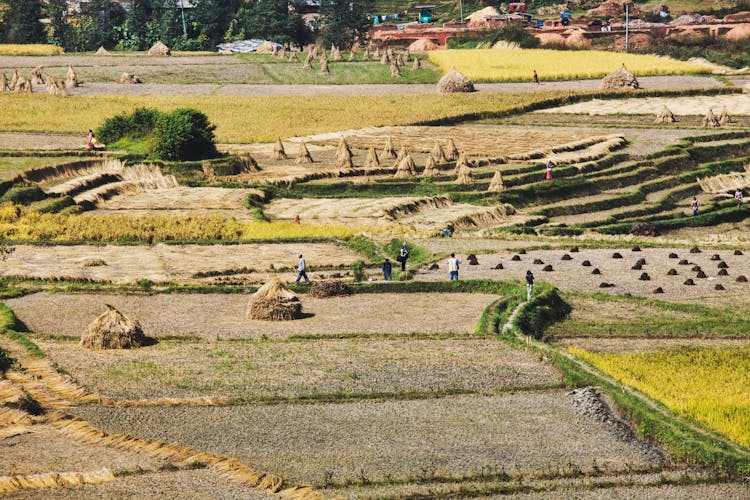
372	160
36	76
113	330
738	33
576	39
3	83
159	49
324	67
664	116
395	72
388	150
724	118
344	155
71	78
406	167
496	184
308	61
464	175
550	39
329	288
430	167
438	154
619	79
453	82
452	153
208	170
303	155
710	120
461	162
101	52
417	65
278	151
129	79
423	45
274	302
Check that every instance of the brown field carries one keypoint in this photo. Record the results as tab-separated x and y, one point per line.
737	104
31	140
222	316
257	370
166	262
454	436
626	346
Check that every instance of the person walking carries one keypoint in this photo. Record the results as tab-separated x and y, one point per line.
694	206
529	284
738	198
549	169
453	264
535	77
90	140
403	255
387	268
302	270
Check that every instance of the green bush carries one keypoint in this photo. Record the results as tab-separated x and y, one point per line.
114	129
24	195
184	134
358	271
6	361
545	308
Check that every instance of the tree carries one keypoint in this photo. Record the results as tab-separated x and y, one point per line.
265	19
212	17
59	31
137	24
170	21
344	22
183	134
100	20
22	20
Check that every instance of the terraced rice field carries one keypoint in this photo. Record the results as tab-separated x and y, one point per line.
737	104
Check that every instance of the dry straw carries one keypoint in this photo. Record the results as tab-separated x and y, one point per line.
278	151
406	167
324	68
3	83
665	116
416	65
308	61
464	175
452	152
71	78
384	59
113	330
159	49
619	79
101	51
372	160
710	120
36	76
438	154
430	167
395	72
496	184
724	118
462	161
303	155
388	151
274	302
454	82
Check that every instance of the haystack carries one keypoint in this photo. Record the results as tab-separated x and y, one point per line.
342	147
62	89
14	80
22	85
278	151
479	15
665	116
247	164
208	170
452	152
578	40
101	51
274	302
372	160
710	120
71	78
308	61
293	57
401	154
724	118
550	39
324	68
406	167
619	79
453	81
423	45
417	65
430	167
36	76
352	56
113	330
388	151
399	60
344	156
329	288
303	155
335	54
465	176
438	154
323	58
3	83
462	161
129	79
161	49
496	184
395	72
385	59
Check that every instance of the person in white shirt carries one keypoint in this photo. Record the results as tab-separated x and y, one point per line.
453	265
302	270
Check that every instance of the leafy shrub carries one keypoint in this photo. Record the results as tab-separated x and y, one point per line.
114	129
358	271
184	134
544	309
6	361
23	195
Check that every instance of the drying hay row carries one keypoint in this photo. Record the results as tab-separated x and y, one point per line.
14	416
9	484
400	210
58	384
724	182
29	386
137	178
592	153
495	215
62	171
561	148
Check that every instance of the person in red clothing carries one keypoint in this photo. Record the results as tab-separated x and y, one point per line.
549	170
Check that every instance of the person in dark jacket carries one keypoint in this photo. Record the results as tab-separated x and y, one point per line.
529	284
403	255
387	268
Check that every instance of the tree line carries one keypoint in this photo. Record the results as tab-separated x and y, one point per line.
138	24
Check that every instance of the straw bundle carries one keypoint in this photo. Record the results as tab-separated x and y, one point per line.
159	49
282	53
344	158
452	153
3	83
342	147
407	55
71	78
14	80
620	78
303	155
308	61
113	330
247	164
384	59
335	54
208	170
430	167
724	182
351	56
324	68
464	175
496	184
323	58
278	151
329	288
462	161
724	118
376	54
388	151
399	61
101	51
293	57
36	76
453	82
129	79
274	302
275	51
62	89
710	120
372	160
22	85
438	154
416	65
406	167
395	72
665	116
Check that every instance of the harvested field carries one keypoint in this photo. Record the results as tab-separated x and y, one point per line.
31	140
683	492
739	104
222	316
11	166
465	435
630	345
260	370
165	262
193	484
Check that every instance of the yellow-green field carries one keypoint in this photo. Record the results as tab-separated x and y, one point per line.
259	119
31	49
710	385
491	65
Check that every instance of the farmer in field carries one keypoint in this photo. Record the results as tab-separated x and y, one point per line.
549	169
453	264
90	140
738	198
535	78
403	255
387	268
302	270
694	206
529	284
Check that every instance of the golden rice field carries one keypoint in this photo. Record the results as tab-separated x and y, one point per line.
493	65
259	119
19	224
709	385
38	49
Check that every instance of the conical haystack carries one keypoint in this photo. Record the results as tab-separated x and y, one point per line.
14	80
430	167
395	72
453	81
71	78
372	160
342	147
323	58
159	49
3	83
344	159
335	54
324	68
452	151
465	176
399	61
462	161
665	116
278	151
619	79
496	184
438	154
22	85
208	170
274	302
724	118
388	150
113	330
416	65
303	155
102	52
247	164
710	120
308	61
400	156
406	167
36	76
384	59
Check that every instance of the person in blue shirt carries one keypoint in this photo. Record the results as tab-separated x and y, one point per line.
387	268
